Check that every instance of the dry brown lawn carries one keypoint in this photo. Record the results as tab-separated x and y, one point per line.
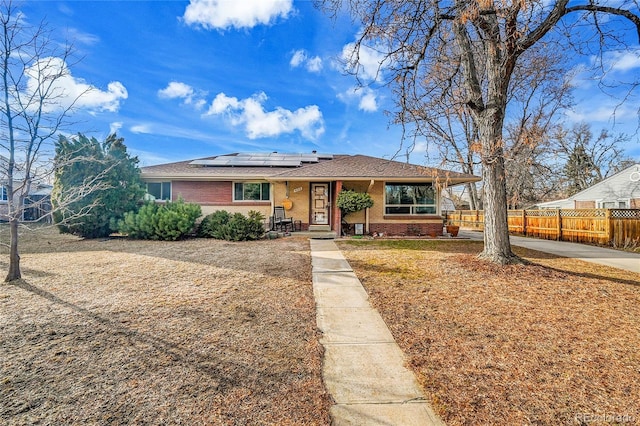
137	332
552	342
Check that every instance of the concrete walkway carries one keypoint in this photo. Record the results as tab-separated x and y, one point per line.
601	255
363	366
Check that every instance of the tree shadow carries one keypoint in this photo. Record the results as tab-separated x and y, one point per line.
214	368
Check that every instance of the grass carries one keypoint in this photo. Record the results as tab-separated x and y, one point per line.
551	342
189	332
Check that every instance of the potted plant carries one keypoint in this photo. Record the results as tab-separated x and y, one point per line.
351	201
453	230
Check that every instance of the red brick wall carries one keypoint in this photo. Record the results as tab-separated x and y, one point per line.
406	229
211	193
585	204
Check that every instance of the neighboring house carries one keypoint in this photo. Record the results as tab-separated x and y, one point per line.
405	195
620	191
37	203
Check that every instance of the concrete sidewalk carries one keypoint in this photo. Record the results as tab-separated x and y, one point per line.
363	366
601	255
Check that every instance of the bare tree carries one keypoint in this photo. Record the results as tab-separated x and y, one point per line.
33	109
587	159
428	45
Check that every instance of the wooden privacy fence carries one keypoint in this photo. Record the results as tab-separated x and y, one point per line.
615	227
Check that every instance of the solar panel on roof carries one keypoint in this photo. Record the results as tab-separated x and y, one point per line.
269	159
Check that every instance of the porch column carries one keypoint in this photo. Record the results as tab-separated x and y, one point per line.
366	211
337	219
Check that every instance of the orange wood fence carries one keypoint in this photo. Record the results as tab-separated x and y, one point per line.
615	227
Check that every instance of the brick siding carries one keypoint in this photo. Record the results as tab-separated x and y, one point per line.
207	193
406	229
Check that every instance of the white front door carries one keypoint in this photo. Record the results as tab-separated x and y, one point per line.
320	204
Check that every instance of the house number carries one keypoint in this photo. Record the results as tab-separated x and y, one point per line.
297	189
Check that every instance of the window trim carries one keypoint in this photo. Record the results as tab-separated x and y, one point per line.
600	204
4	194
162	185
412	207
261	200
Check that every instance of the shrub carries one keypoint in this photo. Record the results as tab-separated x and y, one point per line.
224	226
351	201
211	224
170	221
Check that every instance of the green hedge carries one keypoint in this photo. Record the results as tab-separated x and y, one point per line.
170	221
223	225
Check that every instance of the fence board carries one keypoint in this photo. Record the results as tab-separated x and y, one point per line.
615	227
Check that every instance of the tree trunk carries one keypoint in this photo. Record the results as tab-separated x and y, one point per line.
497	247
14	257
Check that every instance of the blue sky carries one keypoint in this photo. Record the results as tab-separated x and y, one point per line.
182	80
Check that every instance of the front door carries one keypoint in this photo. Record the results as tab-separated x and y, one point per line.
320	204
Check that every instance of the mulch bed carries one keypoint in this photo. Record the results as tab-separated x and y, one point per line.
551	342
189	332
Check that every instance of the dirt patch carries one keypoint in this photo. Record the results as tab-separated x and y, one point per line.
189	332
552	342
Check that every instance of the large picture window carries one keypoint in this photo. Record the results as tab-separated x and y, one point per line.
251	191
409	199
159	190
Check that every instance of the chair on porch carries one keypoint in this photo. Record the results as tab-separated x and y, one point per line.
280	220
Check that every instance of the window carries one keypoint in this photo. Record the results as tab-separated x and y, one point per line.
409	199
614	204
4	194
160	190
251	191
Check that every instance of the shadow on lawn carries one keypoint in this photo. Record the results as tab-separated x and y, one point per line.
208	365
473	247
282	258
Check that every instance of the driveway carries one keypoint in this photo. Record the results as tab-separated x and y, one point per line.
601	255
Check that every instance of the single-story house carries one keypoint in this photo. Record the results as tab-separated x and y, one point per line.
406	196
619	191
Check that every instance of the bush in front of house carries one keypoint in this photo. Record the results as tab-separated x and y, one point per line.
223	225
169	222
212	224
350	201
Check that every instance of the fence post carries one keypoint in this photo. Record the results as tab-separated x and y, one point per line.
608	225
524	222
559	225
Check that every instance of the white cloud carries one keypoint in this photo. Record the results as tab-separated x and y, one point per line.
366	98
368	62
114	127
258	123
624	60
141	128
606	112
300	58
82	37
224	14
314	64
178	90
368	101
67	90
